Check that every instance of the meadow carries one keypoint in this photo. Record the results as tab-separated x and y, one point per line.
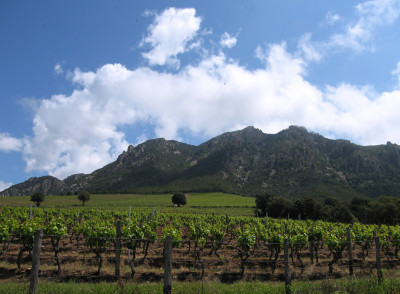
199	203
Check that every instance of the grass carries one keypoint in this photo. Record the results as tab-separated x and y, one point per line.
218	203
365	286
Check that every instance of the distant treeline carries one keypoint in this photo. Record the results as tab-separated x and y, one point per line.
383	210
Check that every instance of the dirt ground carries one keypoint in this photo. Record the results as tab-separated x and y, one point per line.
79	263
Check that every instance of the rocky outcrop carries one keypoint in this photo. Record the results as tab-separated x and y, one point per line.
47	185
292	163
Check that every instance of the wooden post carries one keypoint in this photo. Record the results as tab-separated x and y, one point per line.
46	218
118	251
129	227
288	280
312	247
350	251
168	265
35	261
378	258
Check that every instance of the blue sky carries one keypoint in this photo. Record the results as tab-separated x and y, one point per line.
81	80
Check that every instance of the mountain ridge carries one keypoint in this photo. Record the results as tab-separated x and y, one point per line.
291	163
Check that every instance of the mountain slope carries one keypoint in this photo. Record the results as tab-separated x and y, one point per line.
291	163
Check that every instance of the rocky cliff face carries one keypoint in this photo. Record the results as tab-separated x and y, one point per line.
291	163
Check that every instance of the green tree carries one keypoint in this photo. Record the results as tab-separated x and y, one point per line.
308	208
84	196
37	197
179	199
276	206
359	207
262	202
335	210
384	210
280	207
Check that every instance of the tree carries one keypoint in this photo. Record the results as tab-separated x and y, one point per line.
384	210
84	196
37	197
359	207
308	208
275	206
335	210
262	202
280	206
179	199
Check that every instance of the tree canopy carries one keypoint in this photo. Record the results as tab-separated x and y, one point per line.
84	196
179	199
37	197
383	210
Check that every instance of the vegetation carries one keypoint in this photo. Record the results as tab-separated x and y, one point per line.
255	239
210	233
293	163
84	196
38	198
179	199
384	210
200	203
365	286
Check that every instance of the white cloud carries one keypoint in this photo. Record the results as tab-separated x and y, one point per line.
358	35
170	34
8	143
362	114
58	69
227	40
82	132
372	14
332	18
4	185
396	73
308	49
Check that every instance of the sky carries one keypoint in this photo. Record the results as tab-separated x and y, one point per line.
82	80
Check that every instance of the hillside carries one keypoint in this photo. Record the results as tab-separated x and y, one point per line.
292	163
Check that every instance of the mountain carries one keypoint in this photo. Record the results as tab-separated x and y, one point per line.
292	163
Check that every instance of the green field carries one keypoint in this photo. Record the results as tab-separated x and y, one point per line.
217	203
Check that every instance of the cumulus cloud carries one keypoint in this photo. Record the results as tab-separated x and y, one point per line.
170	34
228	40
4	185
82	131
8	143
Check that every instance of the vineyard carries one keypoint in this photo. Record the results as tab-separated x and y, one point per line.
81	245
